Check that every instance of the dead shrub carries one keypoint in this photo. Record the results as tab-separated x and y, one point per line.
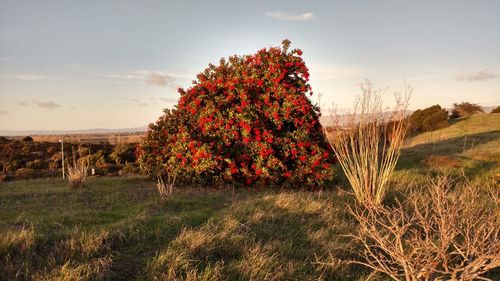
449	233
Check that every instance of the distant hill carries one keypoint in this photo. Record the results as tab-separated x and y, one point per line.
71	132
325	120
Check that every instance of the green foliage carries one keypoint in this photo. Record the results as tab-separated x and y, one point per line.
245	120
429	119
465	109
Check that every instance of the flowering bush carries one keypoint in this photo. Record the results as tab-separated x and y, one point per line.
246	120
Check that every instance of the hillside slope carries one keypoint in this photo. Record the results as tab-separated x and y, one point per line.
469	146
461	127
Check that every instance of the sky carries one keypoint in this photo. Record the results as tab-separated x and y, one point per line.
70	64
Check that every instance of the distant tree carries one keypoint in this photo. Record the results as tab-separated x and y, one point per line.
465	109
27	138
496	110
429	119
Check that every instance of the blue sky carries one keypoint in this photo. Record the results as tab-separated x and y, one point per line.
116	64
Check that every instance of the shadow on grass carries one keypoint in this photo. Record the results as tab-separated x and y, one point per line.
284	236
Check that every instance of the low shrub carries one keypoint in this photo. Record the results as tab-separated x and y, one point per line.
465	109
429	119
496	110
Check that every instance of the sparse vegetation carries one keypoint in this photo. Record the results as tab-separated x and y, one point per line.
496	110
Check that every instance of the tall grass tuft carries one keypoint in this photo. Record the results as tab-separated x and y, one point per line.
165	187
367	142
77	174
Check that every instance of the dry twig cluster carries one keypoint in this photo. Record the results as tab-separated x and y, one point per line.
444	235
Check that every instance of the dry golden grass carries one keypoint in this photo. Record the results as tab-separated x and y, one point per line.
267	237
20	258
77	173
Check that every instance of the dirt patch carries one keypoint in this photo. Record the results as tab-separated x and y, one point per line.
442	161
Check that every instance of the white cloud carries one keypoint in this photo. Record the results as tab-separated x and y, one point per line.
290	16
42	104
158	78
29	77
481	75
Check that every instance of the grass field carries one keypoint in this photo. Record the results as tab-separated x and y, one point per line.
118	229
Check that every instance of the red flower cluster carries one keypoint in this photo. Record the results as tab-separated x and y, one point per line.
247	119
